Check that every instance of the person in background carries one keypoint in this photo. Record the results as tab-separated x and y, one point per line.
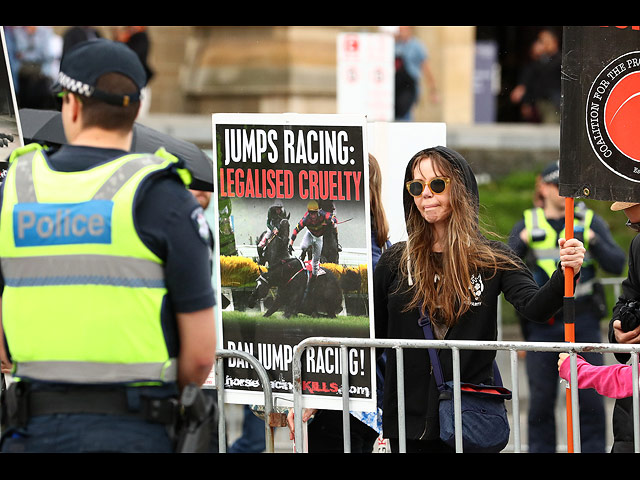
625	332
450	273
539	92
379	224
38	50
412	66
252	439
379	244
137	39
533	239
612	381
517	96
75	35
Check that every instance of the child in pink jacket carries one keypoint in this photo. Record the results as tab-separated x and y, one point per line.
613	381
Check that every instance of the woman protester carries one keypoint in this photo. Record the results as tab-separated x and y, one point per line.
450	270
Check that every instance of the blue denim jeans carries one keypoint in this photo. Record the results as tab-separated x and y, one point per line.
77	433
253	434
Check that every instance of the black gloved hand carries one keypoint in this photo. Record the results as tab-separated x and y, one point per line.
630	315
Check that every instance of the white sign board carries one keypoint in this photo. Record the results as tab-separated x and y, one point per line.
366	75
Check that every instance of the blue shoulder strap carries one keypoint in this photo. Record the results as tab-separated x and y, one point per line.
425	323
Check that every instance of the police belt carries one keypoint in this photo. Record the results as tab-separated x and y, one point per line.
24	403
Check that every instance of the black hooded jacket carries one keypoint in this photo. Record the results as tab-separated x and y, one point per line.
478	323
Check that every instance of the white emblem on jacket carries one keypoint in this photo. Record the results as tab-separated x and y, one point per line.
477	287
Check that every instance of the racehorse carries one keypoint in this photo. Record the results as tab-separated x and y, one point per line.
277	247
291	278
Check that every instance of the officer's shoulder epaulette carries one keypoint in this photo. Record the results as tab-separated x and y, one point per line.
25	149
179	165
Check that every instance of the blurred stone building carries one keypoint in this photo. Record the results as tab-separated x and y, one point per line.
274	69
200	70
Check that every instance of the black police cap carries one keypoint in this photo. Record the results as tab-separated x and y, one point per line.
551	174
85	63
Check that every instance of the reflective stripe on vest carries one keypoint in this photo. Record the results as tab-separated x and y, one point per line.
83	294
546	250
88	372
80	270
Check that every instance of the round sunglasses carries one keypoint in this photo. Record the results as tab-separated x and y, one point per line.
437	185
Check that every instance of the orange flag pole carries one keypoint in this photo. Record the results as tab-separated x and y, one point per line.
568	312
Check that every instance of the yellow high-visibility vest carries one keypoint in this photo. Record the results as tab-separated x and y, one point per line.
545	246
83	294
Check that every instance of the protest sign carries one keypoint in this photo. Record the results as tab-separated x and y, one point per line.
599	142
287	160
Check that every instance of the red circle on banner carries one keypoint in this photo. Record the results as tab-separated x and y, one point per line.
622	115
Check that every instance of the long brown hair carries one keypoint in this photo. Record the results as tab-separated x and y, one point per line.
467	252
378	217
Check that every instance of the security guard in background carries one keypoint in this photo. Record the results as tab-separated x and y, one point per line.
535	239
107	302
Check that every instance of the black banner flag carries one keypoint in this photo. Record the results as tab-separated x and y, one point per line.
600	130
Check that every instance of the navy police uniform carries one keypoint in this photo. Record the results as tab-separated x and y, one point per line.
164	213
120	415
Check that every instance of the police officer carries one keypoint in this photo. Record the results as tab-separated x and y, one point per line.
535	239
107	302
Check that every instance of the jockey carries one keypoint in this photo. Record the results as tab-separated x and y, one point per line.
274	216
317	222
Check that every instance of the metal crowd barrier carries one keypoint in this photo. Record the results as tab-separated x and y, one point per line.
272	419
512	347
614	282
